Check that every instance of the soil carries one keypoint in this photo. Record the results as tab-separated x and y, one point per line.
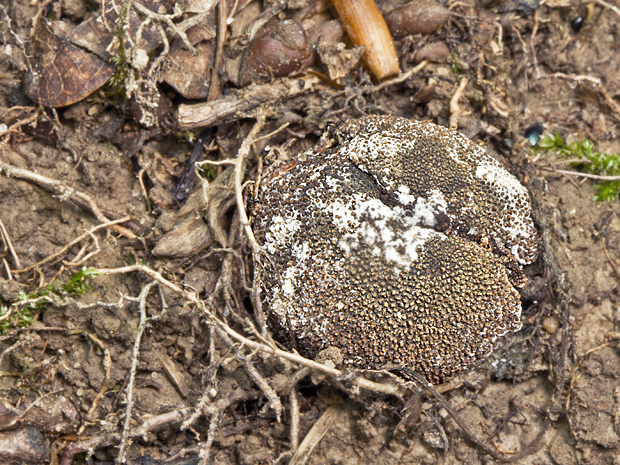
551	391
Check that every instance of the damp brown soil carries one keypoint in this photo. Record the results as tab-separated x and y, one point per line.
559	375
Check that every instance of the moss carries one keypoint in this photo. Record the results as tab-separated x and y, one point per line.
78	282
30	303
455	67
586	159
117	85
18	319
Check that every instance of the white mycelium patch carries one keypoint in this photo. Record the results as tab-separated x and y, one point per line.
386	231
426	209
280	231
513	194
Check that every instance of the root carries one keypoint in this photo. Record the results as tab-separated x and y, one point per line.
455	110
592	80
66	193
134	366
76	261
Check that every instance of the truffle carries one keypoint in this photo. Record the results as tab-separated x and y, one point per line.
398	244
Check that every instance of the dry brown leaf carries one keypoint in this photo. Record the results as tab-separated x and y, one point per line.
62	73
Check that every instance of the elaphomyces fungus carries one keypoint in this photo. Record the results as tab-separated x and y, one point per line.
400	243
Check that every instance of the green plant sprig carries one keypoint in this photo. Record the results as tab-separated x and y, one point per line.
28	303
117	85
584	157
18	319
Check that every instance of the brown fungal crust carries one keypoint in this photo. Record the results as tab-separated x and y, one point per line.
358	262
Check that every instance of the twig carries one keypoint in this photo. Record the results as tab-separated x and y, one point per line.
10	349
65	192
107	367
534	59
249	102
222	29
163	54
255	100
7	240
294	408
455	110
134	368
173	373
500	38
120	392
244	150
199	18
432	392
214	424
215	162
36	19
17	108
611	262
143	188
584	175
8	269
354	377
79	447
23	414
430	413
15	126
72	243
16	38
168	20
402	78
272	133
149	272
77	260
613	8
256	300
176	416
316	433
592	80
253	373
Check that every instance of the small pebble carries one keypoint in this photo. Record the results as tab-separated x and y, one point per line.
437	52
417	17
278	51
534	132
550	324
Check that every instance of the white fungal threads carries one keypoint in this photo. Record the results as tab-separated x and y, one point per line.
372	250
513	194
386	232
280	230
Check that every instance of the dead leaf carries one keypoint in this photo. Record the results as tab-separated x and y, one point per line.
94	37
62	73
190	234
189	74
339	60
188	237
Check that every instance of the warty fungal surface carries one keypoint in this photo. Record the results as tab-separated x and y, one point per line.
400	243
